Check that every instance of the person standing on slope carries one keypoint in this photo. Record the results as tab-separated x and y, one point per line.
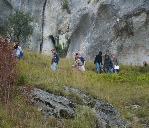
55	59
108	64
82	60
98	62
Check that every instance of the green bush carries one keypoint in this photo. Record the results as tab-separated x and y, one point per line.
62	51
19	26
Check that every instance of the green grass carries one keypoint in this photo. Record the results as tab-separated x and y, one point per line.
129	87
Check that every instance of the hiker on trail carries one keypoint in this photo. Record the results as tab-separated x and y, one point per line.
107	64
98	62
55	59
115	64
17	52
78	56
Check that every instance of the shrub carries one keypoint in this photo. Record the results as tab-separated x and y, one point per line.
8	72
62	51
19	26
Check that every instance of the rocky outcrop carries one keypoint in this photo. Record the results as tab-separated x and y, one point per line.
112	26
61	107
51	104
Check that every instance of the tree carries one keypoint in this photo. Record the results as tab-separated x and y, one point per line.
19	26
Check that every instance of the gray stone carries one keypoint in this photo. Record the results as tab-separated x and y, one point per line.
61	107
105	112
51	104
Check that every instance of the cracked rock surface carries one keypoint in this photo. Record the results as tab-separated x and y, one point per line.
62	107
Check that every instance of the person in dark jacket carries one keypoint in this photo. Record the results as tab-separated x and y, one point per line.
6	42
55	59
107	64
98	62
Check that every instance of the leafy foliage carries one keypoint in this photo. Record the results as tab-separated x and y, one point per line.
62	51
20	27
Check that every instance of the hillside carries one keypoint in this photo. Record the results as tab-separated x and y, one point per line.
127	91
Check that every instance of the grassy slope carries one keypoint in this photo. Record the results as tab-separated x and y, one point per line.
128	88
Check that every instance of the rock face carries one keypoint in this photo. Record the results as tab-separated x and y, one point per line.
120	27
4	5
112	26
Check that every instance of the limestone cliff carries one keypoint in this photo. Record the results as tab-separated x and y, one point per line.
112	26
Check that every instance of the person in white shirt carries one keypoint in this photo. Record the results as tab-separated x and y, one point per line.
18	52
115	63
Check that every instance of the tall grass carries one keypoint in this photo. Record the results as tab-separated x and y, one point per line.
124	90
